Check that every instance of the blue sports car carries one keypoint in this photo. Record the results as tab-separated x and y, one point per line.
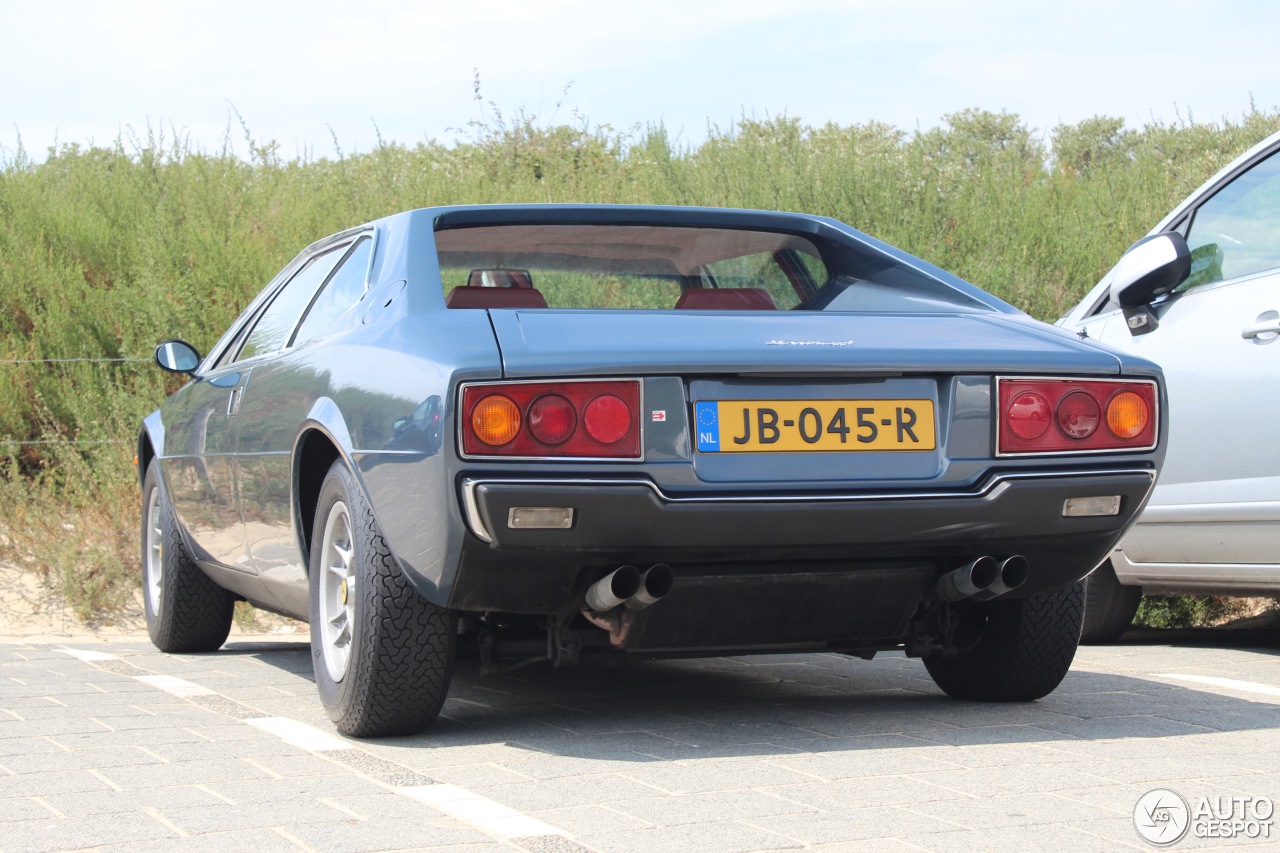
561	431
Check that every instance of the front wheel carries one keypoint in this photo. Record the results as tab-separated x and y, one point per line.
185	610
1023	652
382	654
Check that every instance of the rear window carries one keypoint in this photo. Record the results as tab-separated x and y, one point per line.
620	267
663	267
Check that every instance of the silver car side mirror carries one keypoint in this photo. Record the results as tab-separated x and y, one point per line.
177	357
1152	267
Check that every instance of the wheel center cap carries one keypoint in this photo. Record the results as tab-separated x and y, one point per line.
342	590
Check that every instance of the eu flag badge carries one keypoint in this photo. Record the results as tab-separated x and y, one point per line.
706	420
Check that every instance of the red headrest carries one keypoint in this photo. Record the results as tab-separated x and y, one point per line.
495	297
728	299
499	278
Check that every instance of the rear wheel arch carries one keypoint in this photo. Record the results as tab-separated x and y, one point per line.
313	455
146	452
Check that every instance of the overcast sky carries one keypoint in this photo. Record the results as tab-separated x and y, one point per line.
304	72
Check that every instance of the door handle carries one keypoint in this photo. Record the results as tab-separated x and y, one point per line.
233	402
1266	325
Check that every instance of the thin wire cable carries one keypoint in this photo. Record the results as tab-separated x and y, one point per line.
69	360
13	442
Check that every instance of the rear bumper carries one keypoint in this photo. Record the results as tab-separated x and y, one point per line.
633	521
612	514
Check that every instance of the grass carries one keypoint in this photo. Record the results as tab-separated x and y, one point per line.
104	251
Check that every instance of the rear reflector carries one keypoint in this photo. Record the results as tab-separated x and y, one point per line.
1075	415
585	419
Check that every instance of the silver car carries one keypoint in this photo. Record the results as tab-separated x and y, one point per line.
1211	524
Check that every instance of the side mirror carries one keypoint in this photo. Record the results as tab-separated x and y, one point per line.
177	357
1152	267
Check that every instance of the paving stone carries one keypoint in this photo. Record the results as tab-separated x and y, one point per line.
187	773
387	834
40	836
85	759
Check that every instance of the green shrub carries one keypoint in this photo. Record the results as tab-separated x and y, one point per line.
106	250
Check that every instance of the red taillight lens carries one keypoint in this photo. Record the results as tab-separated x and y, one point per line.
1076	409
580	419
1078	415
552	419
608	419
1029	415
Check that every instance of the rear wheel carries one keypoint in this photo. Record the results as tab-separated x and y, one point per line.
185	610
1109	606
1022	653
383	655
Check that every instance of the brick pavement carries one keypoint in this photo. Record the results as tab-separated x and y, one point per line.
124	748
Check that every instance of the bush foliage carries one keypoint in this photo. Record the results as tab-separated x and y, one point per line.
106	250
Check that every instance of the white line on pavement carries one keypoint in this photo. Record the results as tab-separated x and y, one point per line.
1225	683
88	655
299	734
488	816
175	686
481	812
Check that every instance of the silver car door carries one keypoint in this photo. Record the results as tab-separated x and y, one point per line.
1218	497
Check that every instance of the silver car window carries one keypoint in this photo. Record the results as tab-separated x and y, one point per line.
343	290
1236	231
277	321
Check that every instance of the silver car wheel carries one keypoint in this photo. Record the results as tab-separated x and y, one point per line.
153	566
337	592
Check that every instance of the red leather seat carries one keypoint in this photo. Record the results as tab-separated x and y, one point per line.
495	297
728	299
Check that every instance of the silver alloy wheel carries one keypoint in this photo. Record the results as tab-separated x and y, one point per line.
153	553
337	592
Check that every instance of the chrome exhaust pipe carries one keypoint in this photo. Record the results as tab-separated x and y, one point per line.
1013	574
968	580
656	582
613	589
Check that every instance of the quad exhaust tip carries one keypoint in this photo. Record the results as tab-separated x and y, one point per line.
628	585
984	578
655	583
1013	574
613	589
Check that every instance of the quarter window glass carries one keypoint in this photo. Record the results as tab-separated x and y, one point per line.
344	290
1237	231
273	327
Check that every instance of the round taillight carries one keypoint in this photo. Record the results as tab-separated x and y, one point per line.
607	418
1078	415
552	419
495	420
1127	415
1028	415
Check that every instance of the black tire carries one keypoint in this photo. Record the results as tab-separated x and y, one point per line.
1109	606
1023	653
185	610
399	647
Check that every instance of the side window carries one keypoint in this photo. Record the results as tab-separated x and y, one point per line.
273	326
1237	231
344	289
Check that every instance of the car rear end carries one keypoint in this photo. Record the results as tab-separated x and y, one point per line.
735	478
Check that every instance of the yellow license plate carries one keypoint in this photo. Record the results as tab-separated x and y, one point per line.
789	426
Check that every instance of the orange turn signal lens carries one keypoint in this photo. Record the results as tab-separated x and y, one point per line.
1127	415
495	420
